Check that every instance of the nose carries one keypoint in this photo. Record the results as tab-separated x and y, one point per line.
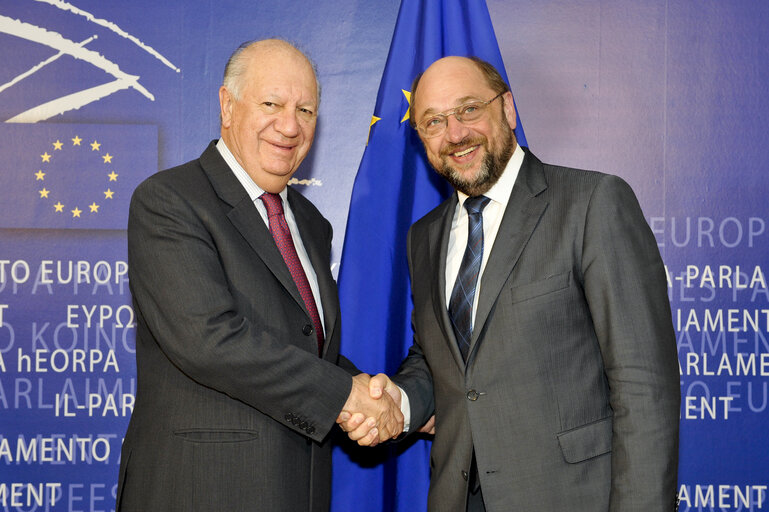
287	123
455	131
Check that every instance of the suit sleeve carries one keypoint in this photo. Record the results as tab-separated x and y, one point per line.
626	289
414	375
183	296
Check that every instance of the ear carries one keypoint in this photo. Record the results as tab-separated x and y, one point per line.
509	109
225	106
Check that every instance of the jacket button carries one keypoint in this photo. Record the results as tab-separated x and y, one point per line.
310	430
307	330
289	417
303	425
473	395
464	475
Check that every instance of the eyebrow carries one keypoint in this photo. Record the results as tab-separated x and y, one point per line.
461	101
281	99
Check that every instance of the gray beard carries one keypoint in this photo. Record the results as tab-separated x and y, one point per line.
491	170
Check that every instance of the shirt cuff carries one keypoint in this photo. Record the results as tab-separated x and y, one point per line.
405	410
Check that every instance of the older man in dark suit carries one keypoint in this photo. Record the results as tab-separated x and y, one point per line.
239	373
543	341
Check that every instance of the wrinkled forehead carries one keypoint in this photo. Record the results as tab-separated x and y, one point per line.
281	68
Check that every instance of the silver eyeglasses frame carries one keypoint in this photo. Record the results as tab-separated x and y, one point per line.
466	113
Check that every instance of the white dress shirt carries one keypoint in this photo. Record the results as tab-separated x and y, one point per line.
254	191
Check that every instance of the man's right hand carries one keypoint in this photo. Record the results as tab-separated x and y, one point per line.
372	411
382	382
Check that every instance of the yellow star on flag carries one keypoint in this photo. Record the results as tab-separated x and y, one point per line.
95	146
94	207
374	120
46	157
76	141
76	212
113	176
44	193
57	145
59	207
407	94
108	194
39	176
107	158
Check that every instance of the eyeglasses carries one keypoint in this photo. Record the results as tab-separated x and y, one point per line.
435	124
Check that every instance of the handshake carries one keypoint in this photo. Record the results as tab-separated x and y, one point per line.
372	413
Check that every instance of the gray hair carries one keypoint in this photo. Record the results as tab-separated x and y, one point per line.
237	65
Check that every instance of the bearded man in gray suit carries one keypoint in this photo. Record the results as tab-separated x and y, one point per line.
237	346
543	340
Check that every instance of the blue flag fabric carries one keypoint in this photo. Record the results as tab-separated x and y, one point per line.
72	176
394	187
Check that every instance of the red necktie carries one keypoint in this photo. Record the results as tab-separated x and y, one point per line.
285	243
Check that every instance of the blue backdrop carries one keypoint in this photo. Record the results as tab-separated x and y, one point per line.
95	96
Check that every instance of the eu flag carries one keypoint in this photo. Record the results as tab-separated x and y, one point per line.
393	188
72	176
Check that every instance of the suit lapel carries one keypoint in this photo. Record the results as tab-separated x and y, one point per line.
438	235
309	231
524	209
245	217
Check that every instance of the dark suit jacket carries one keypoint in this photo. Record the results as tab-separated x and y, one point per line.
570	395
233	404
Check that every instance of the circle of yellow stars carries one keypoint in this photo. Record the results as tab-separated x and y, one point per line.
59	207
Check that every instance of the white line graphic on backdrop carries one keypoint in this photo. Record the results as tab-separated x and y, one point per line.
66	6
38	67
77	50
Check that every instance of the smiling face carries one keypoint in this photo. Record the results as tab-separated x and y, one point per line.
471	156
270	127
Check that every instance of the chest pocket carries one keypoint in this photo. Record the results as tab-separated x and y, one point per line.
545	286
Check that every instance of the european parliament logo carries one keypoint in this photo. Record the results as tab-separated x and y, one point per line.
79	62
75	176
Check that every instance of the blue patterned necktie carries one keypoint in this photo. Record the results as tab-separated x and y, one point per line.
463	294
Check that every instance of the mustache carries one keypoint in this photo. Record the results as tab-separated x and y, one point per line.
453	147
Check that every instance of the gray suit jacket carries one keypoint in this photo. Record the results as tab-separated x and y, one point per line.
233	404
570	394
